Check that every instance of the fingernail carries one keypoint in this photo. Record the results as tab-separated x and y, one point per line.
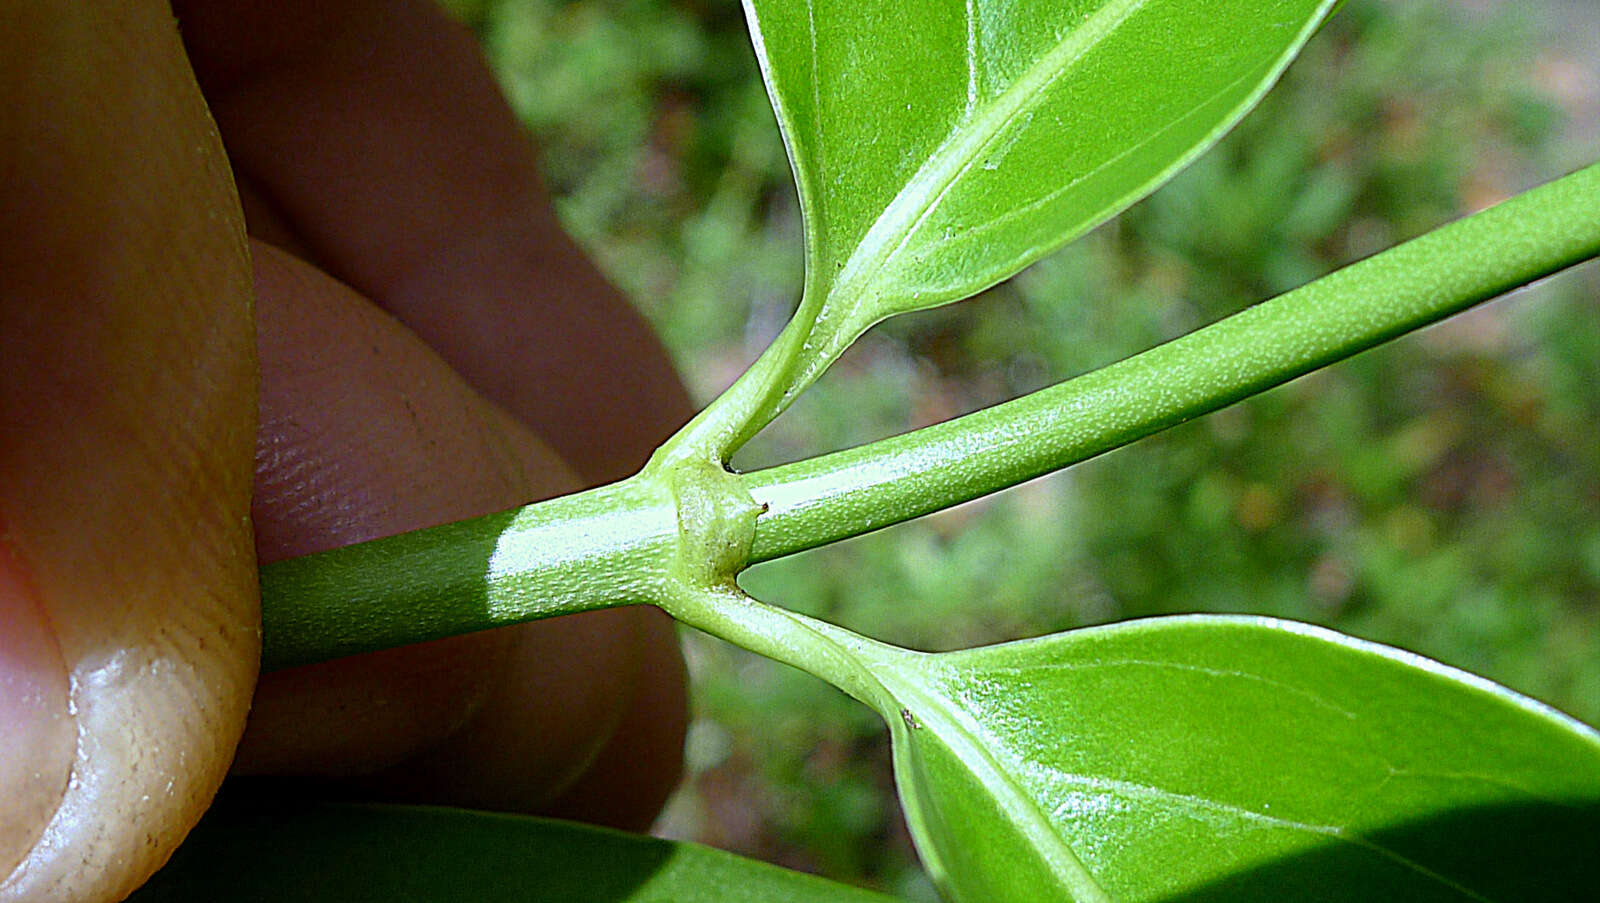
36	730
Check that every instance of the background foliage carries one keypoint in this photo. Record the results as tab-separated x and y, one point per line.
1438	494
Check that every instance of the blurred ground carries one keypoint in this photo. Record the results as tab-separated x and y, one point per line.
1438	494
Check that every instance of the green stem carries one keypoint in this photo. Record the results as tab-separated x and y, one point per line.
754	399
841	657
623	544
825	499
605	547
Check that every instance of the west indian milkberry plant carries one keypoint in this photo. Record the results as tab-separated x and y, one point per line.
938	148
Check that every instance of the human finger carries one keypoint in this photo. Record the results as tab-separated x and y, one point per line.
414	184
375	133
366	432
128	637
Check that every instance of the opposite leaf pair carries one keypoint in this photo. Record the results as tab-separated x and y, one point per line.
938	148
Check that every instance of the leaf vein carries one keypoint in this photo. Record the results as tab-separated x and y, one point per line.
972	57
816	87
922	194
1141	791
1137	790
1044	201
974	746
1240	674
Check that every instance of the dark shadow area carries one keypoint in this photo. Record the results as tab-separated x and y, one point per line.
264	842
1525	853
297	851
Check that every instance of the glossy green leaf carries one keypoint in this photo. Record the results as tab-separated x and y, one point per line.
1236	759
314	852
940	146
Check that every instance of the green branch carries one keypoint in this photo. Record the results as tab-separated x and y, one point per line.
602	548
621	544
825	499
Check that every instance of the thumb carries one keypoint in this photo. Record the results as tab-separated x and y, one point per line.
128	642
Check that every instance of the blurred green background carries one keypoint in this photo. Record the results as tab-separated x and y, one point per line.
1439	494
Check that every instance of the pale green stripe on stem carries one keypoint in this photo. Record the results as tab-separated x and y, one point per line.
597	549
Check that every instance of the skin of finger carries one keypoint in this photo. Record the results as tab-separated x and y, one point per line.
366	432
417	186
126	427
37	734
615	790
326	111
585	719
607	771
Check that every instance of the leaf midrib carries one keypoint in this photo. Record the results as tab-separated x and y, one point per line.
912	205
964	740
1193	803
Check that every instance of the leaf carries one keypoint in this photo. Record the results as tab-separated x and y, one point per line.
347	853
1235	759
940	146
